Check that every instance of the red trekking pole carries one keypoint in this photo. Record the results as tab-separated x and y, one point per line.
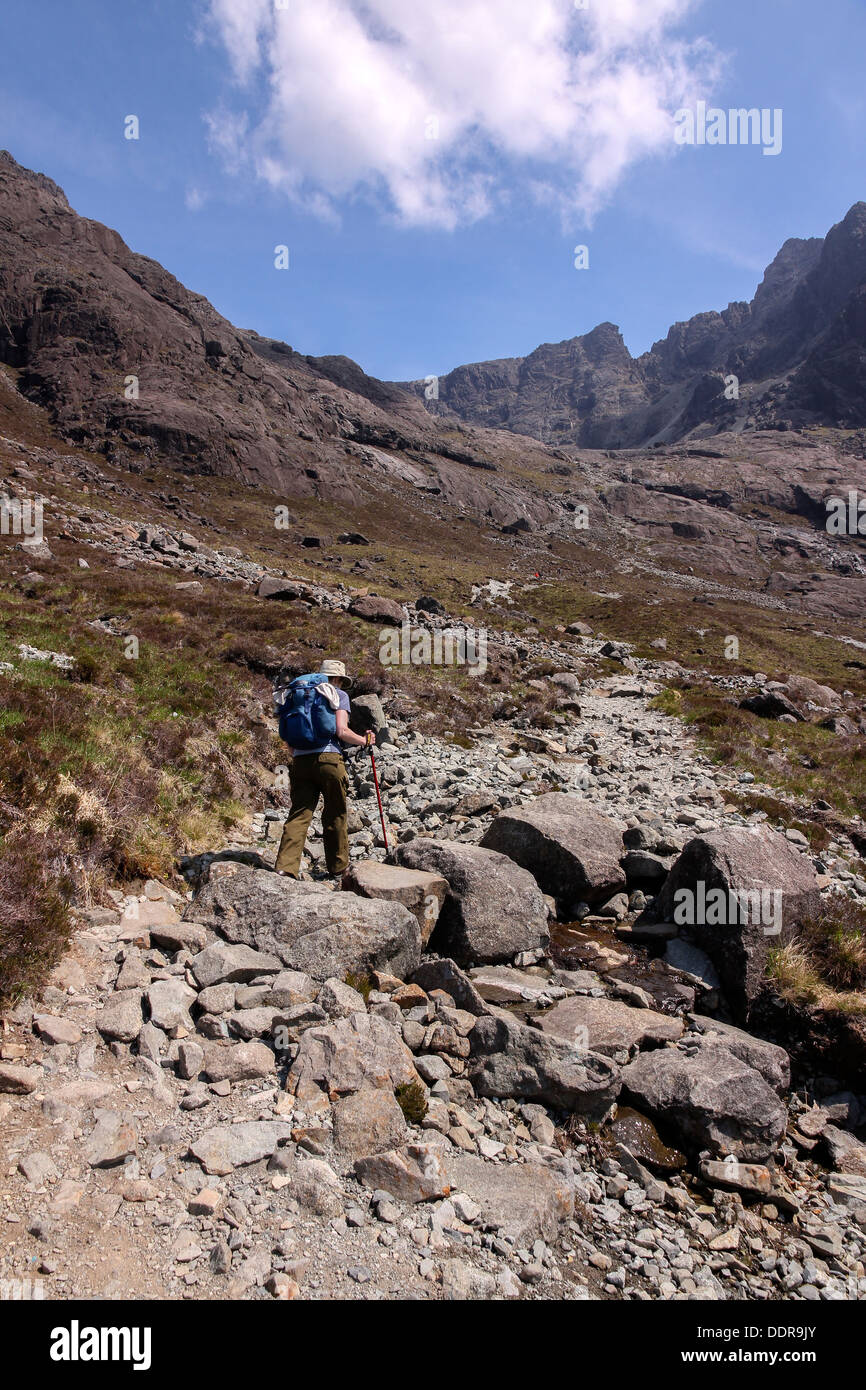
378	796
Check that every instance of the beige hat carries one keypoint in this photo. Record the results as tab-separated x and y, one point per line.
335	668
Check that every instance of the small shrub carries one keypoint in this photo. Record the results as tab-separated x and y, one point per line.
412	1101
34	915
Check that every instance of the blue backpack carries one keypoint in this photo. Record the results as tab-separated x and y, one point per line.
306	717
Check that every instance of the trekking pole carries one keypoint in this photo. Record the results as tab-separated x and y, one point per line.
378	796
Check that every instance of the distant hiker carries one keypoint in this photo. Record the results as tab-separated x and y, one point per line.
314	721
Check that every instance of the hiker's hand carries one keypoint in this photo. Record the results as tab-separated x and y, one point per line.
370	738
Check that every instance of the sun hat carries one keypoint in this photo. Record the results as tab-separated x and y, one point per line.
335	668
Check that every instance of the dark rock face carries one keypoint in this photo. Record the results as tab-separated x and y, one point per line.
747	889
807	321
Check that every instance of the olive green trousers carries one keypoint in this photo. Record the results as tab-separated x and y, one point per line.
314	775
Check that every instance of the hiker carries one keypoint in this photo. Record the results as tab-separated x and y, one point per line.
314	721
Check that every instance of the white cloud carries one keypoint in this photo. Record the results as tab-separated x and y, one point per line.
529	98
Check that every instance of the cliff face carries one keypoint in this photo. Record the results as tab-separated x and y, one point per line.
798	351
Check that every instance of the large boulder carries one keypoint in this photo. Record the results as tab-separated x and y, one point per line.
307	927
493	908
522	1202
608	1026
422	893
225	1147
709	1098
514	1060
351	1054
375	609
768	1058
736	893
572	851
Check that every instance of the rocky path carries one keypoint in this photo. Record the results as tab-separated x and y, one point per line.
444	1080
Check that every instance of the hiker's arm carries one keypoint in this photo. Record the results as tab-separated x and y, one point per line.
345	734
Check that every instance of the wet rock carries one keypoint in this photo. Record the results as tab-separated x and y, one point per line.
639	1135
709	1098
572	850
493	908
511	1059
308	928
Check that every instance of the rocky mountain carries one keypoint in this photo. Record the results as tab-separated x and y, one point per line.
798	351
131	364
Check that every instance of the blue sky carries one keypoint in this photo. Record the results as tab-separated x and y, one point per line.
258	131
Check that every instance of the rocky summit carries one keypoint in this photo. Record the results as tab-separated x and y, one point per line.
584	1018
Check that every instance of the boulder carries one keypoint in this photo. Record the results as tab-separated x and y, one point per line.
120	1017
422	893
19	1080
514	1060
803	690
374	609
367	715
493	908
571	850
607	1026
284	590
225	1147
169	1003
355	1052
523	1203
762	885
413	1174
220	963
771	704
768	1058
368	1121
709	1098
245	1061
307	927
111	1141
439	972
